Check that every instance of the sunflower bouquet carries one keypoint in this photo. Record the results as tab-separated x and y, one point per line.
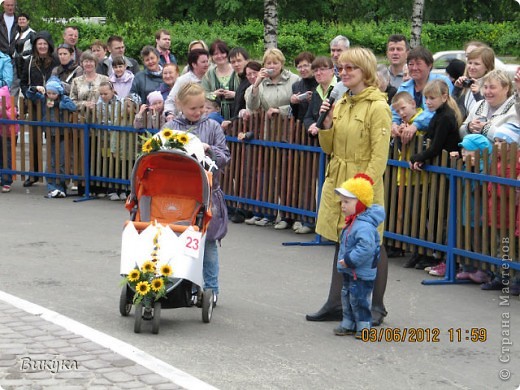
148	282
166	139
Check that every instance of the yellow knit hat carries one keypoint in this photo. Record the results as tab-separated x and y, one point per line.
359	187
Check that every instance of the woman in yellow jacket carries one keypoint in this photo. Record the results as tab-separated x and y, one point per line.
356	134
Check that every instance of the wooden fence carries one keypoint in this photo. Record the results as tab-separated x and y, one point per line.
281	170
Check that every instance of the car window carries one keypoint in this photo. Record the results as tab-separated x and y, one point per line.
443	61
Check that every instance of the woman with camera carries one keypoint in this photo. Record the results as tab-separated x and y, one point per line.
480	61
303	88
272	89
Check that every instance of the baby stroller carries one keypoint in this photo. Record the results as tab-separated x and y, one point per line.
170	211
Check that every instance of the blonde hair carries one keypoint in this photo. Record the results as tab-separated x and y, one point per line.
438	88
404	96
502	77
365	60
274	54
189	90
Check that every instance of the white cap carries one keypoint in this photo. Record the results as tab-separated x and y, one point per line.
344	192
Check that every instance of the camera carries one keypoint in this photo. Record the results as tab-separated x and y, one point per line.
270	72
467	83
302	97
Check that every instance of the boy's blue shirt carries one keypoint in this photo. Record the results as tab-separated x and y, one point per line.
360	242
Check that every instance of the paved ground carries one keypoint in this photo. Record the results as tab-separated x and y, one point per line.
63	256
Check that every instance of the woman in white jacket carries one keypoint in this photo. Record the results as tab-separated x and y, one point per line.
497	108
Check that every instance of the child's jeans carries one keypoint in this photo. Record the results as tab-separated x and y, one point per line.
356	299
6	179
52	183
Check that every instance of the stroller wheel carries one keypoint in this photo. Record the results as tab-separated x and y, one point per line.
138	317
207	305
156	317
125	302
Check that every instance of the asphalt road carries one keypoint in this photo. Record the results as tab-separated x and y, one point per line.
65	256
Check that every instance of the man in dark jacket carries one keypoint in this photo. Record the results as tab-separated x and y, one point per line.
8	27
116	47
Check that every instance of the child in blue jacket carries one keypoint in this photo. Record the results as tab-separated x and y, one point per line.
55	104
358	253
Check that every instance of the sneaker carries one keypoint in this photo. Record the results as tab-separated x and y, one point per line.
479	277
304	230
6	188
263	222
122	196
495	284
463	275
341	331
297	225
253	220
281	225
113	196
439	270
101	195
427	261
238	217
412	261
55	194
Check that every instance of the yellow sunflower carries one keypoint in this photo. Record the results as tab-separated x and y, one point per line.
134	275
148	266
183	138
143	287
167	133
166	270
157	284
147	147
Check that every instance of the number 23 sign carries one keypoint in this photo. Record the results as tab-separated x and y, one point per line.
192	243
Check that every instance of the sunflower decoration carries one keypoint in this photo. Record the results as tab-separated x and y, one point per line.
166	270
134	275
183	138
167	133
166	139
157	284
148	267
142	288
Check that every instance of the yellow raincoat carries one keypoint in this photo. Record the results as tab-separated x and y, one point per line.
357	143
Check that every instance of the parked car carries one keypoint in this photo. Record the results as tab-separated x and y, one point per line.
441	59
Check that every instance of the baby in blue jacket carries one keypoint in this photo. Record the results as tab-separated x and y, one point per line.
358	253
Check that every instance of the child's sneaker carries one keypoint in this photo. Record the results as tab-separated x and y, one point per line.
113	196
439	270
252	220
264	222
55	194
341	331
6	188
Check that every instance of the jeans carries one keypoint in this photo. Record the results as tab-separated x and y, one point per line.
6	179
210	265
356	299
52	183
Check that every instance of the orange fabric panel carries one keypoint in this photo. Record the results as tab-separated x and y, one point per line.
172	208
140	226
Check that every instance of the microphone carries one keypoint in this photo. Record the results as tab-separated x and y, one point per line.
332	98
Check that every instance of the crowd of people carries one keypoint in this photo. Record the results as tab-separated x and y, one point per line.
354	106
